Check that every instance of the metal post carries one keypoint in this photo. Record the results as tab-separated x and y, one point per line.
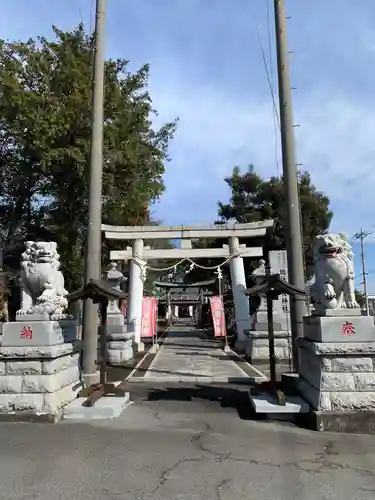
290	181
361	236
271	333
222	316
93	246
103	342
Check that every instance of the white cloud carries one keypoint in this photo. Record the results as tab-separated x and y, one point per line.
335	142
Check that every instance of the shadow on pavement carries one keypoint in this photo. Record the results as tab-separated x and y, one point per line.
226	397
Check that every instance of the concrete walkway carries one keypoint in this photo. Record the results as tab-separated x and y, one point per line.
187	355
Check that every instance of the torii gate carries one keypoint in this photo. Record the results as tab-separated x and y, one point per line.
139	254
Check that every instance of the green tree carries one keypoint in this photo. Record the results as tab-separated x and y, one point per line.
254	198
45	124
360	298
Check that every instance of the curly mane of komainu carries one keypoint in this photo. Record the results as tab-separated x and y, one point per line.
334	272
42	283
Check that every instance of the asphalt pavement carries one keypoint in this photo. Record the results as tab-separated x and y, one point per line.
183	441
191	443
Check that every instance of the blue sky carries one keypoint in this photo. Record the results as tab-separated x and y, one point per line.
206	69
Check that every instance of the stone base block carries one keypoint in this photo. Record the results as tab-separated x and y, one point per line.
119	348
36	383
318	310
336	401
260	321
343	349
33	403
116	325
266	404
118	345
39	367
116	320
32	333
38	380
38	333
353	373
339	329
105	408
118	336
36	352
33	317
119	356
257	345
337	376
356	422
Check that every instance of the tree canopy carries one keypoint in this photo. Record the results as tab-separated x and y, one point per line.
45	130
254	198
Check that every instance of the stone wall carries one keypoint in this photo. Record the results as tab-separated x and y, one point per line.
338	376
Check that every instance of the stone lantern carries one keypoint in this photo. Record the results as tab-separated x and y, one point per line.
116	280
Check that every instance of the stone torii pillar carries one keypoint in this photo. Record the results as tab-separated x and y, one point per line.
241	301
134	309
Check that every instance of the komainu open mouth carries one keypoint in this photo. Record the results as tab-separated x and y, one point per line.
330	251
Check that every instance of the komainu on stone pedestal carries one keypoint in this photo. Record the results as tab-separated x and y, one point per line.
334	273
42	283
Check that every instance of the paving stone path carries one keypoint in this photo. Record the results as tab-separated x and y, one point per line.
187	355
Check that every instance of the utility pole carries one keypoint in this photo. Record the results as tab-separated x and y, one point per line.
93	246
290	181
361	236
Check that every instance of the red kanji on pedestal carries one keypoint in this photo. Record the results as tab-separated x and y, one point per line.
26	333
348	328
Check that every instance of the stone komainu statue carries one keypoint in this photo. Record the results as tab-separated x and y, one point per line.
334	272
42	283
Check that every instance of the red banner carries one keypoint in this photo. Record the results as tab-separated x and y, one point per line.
149	315
123	307
218	317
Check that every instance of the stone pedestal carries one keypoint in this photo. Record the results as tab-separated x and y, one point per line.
337	366
39	369
257	345
119	341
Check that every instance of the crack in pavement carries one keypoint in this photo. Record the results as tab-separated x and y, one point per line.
221	485
321	459
318	464
164	474
323	466
197	438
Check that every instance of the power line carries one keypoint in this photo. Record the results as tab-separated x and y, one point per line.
274	115
268	74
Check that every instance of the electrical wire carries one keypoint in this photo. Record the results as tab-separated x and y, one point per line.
272	76
268	74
